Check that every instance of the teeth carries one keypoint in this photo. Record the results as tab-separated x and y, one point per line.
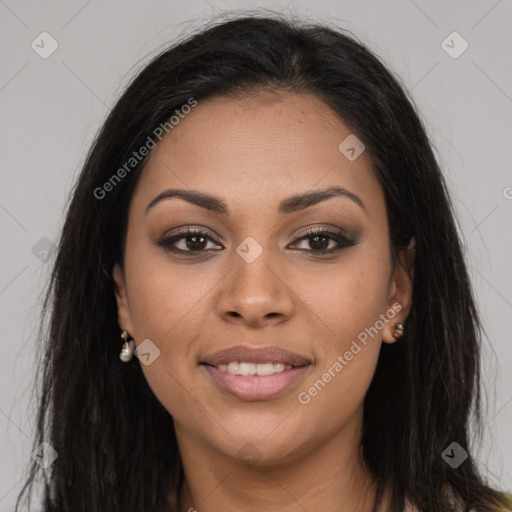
233	368
248	369
264	369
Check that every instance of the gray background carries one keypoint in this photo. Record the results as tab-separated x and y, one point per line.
51	108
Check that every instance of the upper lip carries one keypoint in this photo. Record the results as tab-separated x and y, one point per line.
247	354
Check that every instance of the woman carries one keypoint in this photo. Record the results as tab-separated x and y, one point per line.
262	218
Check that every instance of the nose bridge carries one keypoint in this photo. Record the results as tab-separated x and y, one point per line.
255	289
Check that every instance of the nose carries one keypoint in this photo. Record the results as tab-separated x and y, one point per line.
255	294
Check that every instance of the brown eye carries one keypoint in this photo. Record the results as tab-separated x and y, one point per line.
320	240
190	241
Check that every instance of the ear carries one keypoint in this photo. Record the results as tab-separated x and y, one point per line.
400	290
123	309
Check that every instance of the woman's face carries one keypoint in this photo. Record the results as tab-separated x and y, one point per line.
253	277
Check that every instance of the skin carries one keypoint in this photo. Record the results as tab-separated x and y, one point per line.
253	152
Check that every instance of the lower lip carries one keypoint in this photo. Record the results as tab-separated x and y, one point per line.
256	387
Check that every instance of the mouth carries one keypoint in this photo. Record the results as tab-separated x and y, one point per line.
255	374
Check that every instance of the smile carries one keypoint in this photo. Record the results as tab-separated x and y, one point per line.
255	373
257	386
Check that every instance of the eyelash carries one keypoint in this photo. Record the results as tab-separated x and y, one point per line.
342	240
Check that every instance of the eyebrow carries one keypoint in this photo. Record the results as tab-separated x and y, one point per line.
289	205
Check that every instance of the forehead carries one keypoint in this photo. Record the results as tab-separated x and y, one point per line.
258	148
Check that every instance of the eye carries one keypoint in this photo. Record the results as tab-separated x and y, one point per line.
195	240
319	239
190	239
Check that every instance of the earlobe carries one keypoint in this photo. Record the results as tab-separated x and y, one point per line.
400	293
123	308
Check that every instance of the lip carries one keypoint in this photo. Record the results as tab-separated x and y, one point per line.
256	355
256	387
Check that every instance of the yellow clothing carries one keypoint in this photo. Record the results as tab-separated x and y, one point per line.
509	505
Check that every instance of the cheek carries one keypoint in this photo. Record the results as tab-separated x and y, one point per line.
166	299
347	303
169	304
347	298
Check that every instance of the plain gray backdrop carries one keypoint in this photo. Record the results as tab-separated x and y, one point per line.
52	105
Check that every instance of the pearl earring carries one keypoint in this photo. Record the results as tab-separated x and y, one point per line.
399	330
128	348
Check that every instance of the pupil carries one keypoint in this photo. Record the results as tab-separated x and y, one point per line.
323	245
191	245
